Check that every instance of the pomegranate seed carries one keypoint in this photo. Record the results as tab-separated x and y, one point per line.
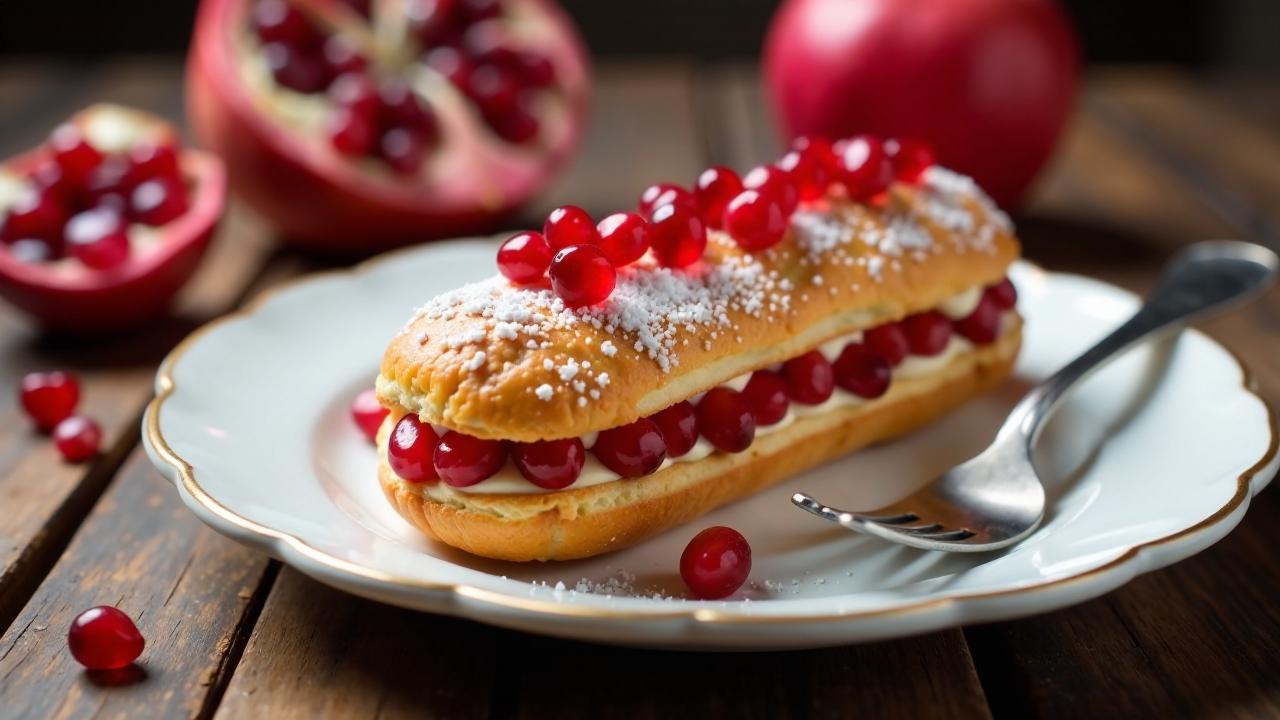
113	178
463	460
494	90
865	168
402	150
477	10
982	326
104	638
357	93
399	106
808	173
1004	293
49	397
434	21
581	275
550	464
766	395
342	56
31	250
810	378
158	201
524	257
98	238
715	563
725	420
534	69
353	132
451	63
910	158
411	450
888	341
364	8
756	220
489	42
677	235
657	195
776	183
927	333
716	186
276	21
519	126
48	177
73	154
77	438
368	413
35	214
569	225
861	371
296	69
679	427
624	238
631	450
819	150
148	161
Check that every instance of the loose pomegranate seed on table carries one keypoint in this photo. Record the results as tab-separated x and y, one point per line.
767	397
756	220
888	341
866	170
411	450
550	464
524	257
462	460
862	371
77	438
715	563
677	235
49	397
581	275
725	420
982	326
569	225
715	187
810	379
624	238
679	427
104	638
631	450
368	413
927	333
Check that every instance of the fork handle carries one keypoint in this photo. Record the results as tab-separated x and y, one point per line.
1203	278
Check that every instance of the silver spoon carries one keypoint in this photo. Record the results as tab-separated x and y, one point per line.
995	499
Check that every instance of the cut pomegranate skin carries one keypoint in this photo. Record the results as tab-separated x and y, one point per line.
140	288
318	199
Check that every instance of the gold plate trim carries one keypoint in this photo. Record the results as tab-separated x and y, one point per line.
166	386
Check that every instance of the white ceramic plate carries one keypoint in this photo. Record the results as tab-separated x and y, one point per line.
1153	460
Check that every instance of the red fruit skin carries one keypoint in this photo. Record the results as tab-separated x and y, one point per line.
137	291
320	201
715	563
988	83
104	638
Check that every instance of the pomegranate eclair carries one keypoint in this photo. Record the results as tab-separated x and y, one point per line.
622	378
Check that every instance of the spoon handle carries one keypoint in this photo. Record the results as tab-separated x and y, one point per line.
1204	278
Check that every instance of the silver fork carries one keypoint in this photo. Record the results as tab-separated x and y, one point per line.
996	499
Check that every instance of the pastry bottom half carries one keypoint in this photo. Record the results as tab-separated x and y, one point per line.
569	524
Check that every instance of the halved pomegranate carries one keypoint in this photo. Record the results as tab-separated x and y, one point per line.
101	225
356	126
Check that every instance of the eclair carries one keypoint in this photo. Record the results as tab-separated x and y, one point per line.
617	380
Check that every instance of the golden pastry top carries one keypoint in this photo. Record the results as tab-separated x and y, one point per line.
500	361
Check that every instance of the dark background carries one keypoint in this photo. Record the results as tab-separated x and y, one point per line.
1189	32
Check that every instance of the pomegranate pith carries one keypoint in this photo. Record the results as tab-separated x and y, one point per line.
715	563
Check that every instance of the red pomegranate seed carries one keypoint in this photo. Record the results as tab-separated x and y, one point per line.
715	563
624	238
399	106
524	257
342	56
550	464
910	158
716	186
862	372
865	167
677	234
402	150
927	333
810	378
494	90
411	450
518	126
888	341
1004	294
489	42
148	161
819	150
581	275
276	21
775	182
725	420
767	397
48	177
353	132
36	213
98	238
463	460
49	397
297	68
679	427
368	413
755	219
112	178
77	438
363	8
631	450
158	201
982	326
569	225
808	172
534	69
659	194
451	63
31	250
74	155
104	638
434	21
477	10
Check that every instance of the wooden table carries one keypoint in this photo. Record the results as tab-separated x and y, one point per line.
1153	160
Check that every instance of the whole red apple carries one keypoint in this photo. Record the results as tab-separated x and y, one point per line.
989	83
